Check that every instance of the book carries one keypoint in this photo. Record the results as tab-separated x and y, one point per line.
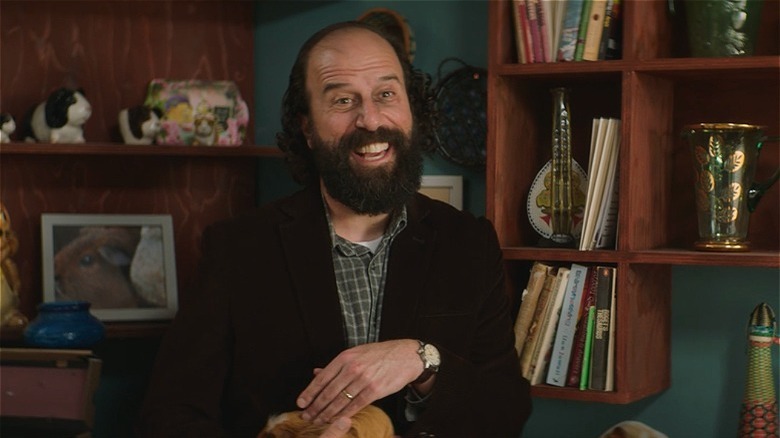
602	181
578	349
557	11
532	340
605	228
522	42
600	348
610	19
544	18
582	32
536	35
564	335
567	40
595	29
548	326
530	297
614	46
585	375
610	383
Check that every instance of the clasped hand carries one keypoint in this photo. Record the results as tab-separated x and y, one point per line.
357	377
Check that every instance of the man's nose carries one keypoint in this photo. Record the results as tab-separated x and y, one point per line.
369	117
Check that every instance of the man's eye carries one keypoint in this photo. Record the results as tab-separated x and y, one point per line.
344	101
388	94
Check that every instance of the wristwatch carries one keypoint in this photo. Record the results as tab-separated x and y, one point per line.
431	359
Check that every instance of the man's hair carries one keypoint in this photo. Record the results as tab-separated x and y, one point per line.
296	104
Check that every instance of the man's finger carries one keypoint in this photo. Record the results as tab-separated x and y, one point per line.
338	429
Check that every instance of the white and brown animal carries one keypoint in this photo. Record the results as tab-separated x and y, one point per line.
7	127
95	267
139	124
369	422
61	118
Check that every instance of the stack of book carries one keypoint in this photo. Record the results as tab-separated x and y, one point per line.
565	328
567	30
599	221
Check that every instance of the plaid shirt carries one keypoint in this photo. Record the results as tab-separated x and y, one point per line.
360	279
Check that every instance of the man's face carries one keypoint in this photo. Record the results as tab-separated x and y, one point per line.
360	122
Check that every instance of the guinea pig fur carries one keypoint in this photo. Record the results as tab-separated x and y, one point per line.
369	422
61	117
95	267
139	124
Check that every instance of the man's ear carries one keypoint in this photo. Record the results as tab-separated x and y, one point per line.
306	129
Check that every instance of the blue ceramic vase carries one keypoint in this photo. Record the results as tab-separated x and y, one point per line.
64	324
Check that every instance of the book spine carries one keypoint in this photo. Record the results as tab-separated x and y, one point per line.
543	18
528	305
598	361
564	335
536	36
608	13
585	376
549	323
520	20
534	331
615	39
578	350
595	29
583	29
571	25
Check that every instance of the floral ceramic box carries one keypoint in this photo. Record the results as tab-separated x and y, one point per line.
199	113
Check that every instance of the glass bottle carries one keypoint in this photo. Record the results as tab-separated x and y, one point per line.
560	188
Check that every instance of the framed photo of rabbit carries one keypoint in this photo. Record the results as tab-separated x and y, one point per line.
124	265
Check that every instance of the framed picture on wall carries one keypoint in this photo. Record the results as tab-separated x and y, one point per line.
124	265
446	188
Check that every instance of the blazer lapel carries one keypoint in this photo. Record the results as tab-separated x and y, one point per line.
410	257
307	249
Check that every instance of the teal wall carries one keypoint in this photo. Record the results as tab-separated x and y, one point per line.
710	305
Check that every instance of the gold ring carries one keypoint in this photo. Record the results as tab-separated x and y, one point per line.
347	395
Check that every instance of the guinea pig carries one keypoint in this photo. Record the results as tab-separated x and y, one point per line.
139	124
95	267
61	117
7	127
369	422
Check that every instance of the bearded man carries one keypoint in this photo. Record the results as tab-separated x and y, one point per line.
356	290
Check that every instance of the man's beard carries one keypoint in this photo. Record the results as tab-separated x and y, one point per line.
365	190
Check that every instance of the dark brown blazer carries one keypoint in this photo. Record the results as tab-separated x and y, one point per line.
267	313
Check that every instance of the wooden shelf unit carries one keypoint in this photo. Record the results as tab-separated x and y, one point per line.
113	50
655	90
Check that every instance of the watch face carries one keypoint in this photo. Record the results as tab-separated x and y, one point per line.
432	355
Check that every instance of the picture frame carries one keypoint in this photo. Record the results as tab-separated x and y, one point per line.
123	264
446	188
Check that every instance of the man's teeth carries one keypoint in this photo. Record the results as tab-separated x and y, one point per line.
373	148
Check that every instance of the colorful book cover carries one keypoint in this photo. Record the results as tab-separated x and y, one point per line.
564	335
600	348
571	26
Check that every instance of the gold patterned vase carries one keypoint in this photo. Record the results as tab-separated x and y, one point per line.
724	159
